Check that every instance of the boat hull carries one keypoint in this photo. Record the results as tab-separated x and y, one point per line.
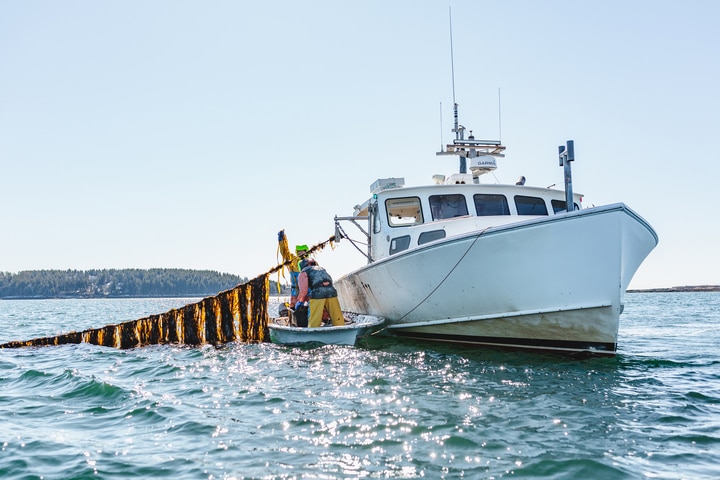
552	283
330	335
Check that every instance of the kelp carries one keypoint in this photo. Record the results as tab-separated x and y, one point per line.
239	314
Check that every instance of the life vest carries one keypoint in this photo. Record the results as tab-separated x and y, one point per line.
319	282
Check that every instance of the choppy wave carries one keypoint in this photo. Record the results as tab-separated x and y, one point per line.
385	409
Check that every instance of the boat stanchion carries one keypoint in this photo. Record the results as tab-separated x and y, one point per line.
566	155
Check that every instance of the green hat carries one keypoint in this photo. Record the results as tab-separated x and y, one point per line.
301	248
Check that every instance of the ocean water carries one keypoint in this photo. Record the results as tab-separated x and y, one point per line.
385	409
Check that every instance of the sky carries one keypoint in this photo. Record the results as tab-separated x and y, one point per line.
185	134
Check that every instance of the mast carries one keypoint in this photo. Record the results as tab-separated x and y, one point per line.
458	129
481	152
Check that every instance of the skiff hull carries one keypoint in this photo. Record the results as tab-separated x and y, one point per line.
328	335
549	283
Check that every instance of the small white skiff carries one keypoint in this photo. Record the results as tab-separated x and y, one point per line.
356	326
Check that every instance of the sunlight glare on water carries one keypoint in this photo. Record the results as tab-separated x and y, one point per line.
385	409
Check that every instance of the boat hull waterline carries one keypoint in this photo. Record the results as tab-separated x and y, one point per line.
549	283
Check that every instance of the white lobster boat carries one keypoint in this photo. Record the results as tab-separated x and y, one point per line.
496	265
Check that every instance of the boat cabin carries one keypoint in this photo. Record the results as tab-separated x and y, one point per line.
400	218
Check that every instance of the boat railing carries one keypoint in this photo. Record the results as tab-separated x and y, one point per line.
340	233
472	148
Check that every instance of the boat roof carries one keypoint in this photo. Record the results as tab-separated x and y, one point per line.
395	187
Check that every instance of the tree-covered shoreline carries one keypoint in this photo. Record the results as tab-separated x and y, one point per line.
115	283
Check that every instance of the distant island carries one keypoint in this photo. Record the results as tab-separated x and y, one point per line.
158	282
117	283
696	288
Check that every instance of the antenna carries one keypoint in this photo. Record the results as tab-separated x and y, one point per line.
452	62
499	118
442	143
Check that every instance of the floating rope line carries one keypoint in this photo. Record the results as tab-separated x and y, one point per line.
238	314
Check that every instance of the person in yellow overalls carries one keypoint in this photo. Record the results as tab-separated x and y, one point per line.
315	285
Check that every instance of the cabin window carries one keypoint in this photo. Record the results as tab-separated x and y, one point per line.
530	205
490	205
399	244
431	236
559	206
403	212
448	206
